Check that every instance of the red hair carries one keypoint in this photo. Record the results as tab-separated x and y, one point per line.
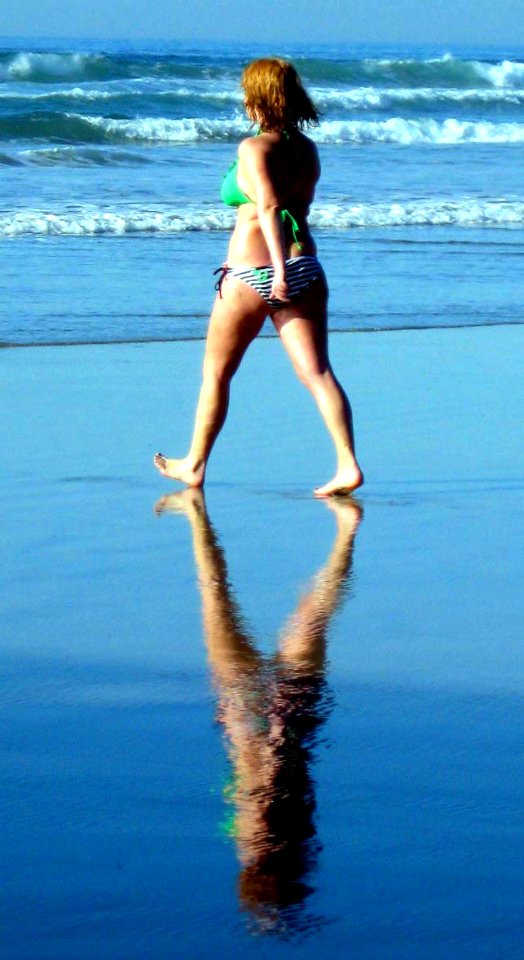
274	92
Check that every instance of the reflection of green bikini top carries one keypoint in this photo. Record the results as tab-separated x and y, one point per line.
233	196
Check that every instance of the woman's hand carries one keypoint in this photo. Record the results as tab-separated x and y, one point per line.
279	287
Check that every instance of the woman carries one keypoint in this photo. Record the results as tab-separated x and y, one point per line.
272	269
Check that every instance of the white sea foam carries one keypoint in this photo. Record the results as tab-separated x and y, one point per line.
409	132
164	130
119	90
442	70
445	71
393	130
73	93
28	66
375	98
463	212
357	98
506	74
92	220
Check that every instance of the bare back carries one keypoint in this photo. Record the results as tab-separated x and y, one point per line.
275	170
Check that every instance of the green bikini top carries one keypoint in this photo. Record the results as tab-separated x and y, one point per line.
233	196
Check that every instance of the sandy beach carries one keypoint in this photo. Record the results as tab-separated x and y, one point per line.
122	841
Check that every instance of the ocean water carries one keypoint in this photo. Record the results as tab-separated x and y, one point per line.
111	157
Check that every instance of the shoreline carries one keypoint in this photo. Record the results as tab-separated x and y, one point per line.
407	328
426	407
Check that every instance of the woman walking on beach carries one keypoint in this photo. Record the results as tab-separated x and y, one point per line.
272	269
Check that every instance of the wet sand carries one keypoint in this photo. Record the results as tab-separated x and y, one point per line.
124	780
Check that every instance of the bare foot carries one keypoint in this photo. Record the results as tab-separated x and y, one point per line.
179	470
345	481
348	512
189	501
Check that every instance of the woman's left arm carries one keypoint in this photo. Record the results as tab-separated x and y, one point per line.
254	168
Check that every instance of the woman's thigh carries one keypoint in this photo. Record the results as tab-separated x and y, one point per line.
236	319
302	327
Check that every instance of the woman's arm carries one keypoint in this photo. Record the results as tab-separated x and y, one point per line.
254	169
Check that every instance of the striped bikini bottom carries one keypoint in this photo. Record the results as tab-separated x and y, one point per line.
301	272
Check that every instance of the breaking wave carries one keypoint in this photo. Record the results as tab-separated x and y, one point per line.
161	95
95	221
446	71
419	131
82	128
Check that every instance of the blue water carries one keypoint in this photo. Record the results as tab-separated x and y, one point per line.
124	833
112	154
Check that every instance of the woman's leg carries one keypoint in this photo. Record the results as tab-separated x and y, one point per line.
303	639
236	319
303	330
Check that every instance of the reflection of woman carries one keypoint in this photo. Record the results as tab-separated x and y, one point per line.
271	709
272	270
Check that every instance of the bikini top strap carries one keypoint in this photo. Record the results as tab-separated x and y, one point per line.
295	229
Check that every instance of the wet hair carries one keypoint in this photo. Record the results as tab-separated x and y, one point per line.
273	90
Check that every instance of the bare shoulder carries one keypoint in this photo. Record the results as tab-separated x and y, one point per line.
253	147
289	161
265	144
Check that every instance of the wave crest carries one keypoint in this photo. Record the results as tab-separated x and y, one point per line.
95	221
425	131
80	128
56	67
445	71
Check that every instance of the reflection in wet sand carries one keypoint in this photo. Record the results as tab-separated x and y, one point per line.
271	709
